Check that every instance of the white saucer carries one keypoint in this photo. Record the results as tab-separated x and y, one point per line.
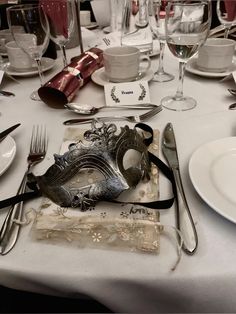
99	77
107	30
193	68
93	25
7	153
47	64
212	170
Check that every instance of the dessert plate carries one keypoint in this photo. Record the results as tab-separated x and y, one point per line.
193	68
212	169
99	77
47	64
7	153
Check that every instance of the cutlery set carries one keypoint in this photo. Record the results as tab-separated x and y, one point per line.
10	229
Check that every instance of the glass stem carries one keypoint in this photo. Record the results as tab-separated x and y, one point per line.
226	34
63	48
179	92
39	65
161	57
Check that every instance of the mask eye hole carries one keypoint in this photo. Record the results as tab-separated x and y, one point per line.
132	158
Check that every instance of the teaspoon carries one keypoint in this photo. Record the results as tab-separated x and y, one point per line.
87	109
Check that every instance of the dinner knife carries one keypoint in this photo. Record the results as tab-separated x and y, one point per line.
184	220
4	134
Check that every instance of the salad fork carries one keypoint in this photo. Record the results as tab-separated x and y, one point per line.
134	119
10	229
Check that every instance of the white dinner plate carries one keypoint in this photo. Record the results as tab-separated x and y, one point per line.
93	25
99	77
193	68
7	153
47	64
212	169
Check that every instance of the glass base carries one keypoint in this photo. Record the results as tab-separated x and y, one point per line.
178	104
162	77
35	96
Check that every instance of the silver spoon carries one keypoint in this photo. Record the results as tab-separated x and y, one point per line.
89	109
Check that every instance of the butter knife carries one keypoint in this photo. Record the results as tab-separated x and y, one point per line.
184	220
4	134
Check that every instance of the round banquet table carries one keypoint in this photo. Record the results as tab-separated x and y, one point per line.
126	281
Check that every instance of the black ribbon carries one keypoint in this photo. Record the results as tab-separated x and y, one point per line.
161	204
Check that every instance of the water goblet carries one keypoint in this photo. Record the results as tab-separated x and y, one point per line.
226	13
34	38
61	19
187	26
157	24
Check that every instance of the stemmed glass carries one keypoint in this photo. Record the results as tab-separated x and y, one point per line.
35	38
187	25
61	18
157	24
226	13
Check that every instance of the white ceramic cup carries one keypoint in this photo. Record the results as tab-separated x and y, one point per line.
19	60
101	11
6	36
216	55
123	64
85	18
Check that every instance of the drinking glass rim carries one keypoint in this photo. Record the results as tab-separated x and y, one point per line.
19	7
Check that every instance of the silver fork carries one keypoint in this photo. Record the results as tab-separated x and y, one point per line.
134	119
10	229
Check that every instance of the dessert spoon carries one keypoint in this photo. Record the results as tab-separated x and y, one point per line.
87	109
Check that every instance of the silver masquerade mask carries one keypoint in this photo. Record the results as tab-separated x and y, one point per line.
104	152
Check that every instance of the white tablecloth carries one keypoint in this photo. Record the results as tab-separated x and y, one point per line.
125	281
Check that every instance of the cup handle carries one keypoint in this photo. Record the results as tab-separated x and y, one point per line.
143	70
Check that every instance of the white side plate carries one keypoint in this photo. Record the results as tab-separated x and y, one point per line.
7	153
212	170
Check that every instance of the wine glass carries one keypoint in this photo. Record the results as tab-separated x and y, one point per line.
226	13
157	24
187	25
61	18
35	36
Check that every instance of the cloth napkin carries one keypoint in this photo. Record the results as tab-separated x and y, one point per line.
108	225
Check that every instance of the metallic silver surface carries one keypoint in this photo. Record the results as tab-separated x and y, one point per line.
11	226
134	118
102	153
184	220
87	109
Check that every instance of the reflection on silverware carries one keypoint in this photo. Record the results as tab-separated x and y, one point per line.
87	109
134	119
5	93
184	218
10	229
